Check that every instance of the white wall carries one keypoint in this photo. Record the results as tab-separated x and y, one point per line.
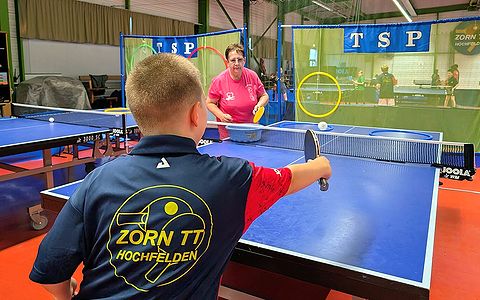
261	16
70	59
218	18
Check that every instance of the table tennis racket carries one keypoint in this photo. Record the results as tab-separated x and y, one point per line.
312	151
258	114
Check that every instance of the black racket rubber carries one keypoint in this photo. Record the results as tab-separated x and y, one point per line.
312	151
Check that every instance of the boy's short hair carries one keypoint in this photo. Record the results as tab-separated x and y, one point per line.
234	47
159	87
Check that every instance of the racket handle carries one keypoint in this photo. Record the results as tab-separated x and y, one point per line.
323	184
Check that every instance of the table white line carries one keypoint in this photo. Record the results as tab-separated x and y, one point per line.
460	190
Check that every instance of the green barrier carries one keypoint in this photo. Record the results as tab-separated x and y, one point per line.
457	125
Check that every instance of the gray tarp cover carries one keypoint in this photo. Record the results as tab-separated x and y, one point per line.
54	91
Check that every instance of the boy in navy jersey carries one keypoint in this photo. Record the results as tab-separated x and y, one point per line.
162	221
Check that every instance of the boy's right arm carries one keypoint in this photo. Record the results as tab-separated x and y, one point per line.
268	185
305	174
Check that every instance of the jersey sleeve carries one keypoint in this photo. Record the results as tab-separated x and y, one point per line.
214	90
63	248
267	186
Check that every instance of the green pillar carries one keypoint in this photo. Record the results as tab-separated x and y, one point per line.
246	22
21	57
127	4
4	26
281	20
4	15
203	15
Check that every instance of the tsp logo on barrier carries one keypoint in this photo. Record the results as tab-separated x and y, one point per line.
158	235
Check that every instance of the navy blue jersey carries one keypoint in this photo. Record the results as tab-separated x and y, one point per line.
159	223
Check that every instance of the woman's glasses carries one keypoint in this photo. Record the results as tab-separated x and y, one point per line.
236	60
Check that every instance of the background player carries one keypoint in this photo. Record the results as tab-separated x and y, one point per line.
385	83
451	84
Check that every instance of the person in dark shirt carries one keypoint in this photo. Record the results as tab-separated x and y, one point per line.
385	83
451	84
162	221
435	78
455	72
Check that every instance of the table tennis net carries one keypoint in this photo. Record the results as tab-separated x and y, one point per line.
116	122
435	153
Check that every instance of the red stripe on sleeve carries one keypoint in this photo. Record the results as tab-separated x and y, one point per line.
268	185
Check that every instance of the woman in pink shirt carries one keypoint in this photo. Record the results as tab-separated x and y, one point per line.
236	93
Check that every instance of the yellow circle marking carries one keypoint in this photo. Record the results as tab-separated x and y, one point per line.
171	208
336	104
118	110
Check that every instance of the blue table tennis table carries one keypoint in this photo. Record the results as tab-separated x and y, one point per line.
326	87
419	94
370	235
22	135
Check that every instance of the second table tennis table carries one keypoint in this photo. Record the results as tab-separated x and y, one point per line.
371	235
34	132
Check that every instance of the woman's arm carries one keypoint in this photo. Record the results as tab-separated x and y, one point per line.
262	101
213	108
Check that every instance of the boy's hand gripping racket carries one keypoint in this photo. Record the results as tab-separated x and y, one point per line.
312	151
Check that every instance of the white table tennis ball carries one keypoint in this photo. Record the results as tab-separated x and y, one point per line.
51	120
322	125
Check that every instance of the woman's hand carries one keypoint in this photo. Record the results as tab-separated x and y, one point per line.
255	109
226	118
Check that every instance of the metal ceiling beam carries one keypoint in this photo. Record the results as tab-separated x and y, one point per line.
395	14
442	9
311	16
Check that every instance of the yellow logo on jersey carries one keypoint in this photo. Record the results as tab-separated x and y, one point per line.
161	231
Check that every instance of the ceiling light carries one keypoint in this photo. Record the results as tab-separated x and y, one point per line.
409	7
403	11
322	5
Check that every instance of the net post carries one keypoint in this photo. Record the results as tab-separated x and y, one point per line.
469	157
122	68
279	72
125	133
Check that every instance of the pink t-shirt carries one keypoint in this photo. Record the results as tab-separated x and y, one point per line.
236	97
